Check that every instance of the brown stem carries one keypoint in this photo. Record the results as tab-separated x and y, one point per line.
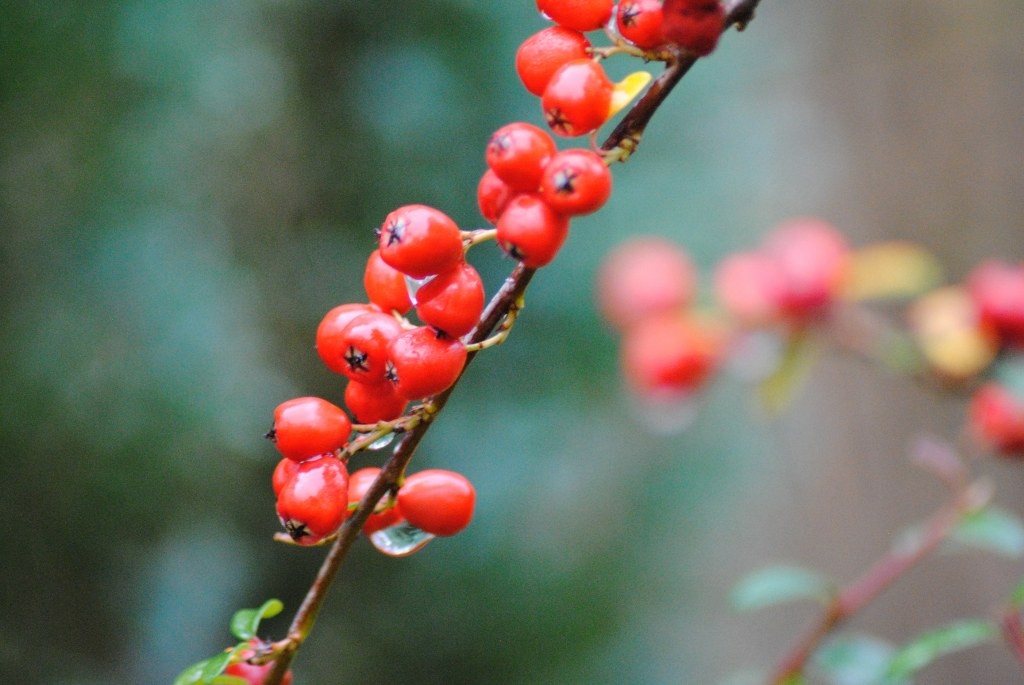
887	570
627	133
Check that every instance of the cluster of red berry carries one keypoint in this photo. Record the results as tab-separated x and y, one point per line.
966	335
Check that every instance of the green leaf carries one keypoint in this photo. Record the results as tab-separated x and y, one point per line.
853	659
191	675
932	644
777	390
1017	598
992	529
778	584
214	666
229	680
246	622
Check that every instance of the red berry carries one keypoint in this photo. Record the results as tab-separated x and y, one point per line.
694	25
423	362
373	403
642	277
576	182
997	289
749	285
517	153
530	231
813	258
452	301
492	195
358	485
254	674
582	15
996	418
540	55
578	98
385	286
670	353
283	472
309	426
314	502
328	334
639	22
364	345
437	501
420	241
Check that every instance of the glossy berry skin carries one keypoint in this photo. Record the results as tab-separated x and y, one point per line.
639	22
517	153
694	25
996	418
452	301
423	362
385	285
813	258
314	502
540	55
643	277
670	354
254	674
372	403
997	289
358	485
582	15
329	345
305	427
750	287
577	99
492	196
420	241
437	501
283	472
576	182
364	345
530	231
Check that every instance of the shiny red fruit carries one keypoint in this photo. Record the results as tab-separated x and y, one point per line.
582	15
437	501
642	277
364	345
420	241
452	301
492	195
694	25
314	502
254	674
997	289
813	258
577	99
358	485
540	55
996	418
372	403
576	182
385	285
517	153
329	344
530	231
283	473
309	426
669	354
639	22
423	362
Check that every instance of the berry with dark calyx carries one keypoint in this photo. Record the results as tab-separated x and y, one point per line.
328	334
578	98
313	504
420	241
385	285
639	22
643	277
997	289
694	25
813	259
283	472
437	501
517	153
305	427
576	182
492	195
530	231
996	419
372	403
384	516
582	15
254	674
540	55
671	354
452	301
364	344
423	362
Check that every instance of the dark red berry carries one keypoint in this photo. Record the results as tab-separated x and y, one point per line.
639	22
420	241
423	362
576	182
530	231
582	15
329	344
540	55
492	195
309	426
385	285
437	501
314	502
364	344
452	301
372	403
577	99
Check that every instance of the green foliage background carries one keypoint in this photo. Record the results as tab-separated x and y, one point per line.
186	187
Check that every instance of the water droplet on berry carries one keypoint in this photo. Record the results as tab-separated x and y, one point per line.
400	540
381	442
413	285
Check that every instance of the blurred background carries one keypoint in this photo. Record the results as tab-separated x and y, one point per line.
187	187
